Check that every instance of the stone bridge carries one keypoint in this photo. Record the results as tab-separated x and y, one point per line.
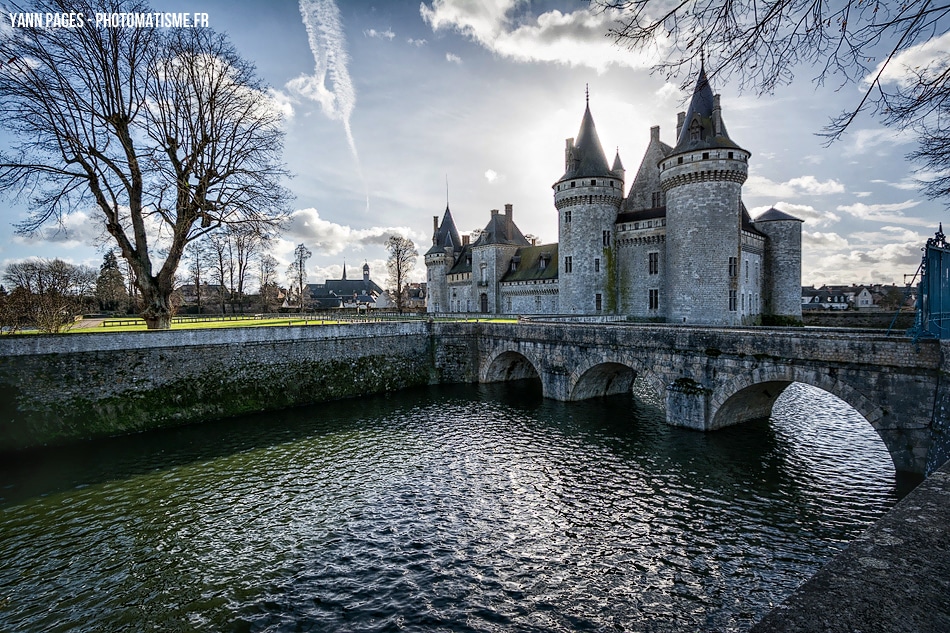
709	378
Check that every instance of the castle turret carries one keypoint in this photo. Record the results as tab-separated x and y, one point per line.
702	183
782	289
587	198
439	259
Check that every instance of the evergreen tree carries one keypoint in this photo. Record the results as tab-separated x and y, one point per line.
110	285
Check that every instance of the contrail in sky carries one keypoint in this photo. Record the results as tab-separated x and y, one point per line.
330	84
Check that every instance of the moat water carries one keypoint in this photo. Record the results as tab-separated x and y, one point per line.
465	508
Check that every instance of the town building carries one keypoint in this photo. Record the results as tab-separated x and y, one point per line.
678	247
344	293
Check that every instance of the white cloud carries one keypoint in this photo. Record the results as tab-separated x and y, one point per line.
929	59
806	212
573	39
822	241
892	212
330	238
452	57
491	176
800	186
79	228
415	42
382	35
330	84
863	141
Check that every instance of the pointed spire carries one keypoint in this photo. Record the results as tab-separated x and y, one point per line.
587	156
344	270
702	127
617	164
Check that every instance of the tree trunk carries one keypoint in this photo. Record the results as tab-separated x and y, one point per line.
158	308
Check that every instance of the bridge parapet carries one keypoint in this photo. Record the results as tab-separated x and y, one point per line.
710	378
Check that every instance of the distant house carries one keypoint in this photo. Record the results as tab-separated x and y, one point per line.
822	299
864	299
345	293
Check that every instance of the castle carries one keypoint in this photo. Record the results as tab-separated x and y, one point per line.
680	247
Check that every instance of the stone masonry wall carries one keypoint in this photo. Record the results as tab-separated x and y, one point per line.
55	389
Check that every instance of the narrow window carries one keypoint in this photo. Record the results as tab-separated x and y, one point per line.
732	301
593	182
654	299
733	267
606	237
705	155
573	184
537	302
568	264
596	264
746	266
654	263
567	217
598	302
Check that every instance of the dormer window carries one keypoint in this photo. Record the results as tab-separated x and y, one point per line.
695	130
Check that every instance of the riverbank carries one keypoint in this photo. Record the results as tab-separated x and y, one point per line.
894	578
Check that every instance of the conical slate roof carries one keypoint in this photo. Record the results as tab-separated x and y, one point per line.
699	126
774	215
447	235
587	159
618	166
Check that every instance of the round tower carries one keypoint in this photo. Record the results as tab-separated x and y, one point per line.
439	259
587	198
782	287
702	181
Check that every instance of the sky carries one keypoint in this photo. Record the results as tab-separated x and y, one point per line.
395	109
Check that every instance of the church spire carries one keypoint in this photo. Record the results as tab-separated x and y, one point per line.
344	270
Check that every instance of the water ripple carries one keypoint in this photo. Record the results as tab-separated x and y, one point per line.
460	509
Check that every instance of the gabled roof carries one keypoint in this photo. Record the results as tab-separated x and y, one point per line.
529	263
446	235
463	261
647	180
701	115
587	158
501	229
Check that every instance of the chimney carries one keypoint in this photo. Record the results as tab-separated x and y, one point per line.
655	133
509	211
494	212
465	239
680	119
435	228
568	150
717	116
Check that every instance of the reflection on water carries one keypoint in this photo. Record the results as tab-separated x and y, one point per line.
464	508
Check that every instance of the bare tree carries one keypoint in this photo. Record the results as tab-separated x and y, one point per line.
402	257
219	265
49	294
267	281
297	273
167	133
762	42
197	267
245	245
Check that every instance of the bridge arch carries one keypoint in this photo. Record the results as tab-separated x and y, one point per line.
751	395
508	364
610	376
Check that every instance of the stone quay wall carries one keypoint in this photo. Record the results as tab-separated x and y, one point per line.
57	389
